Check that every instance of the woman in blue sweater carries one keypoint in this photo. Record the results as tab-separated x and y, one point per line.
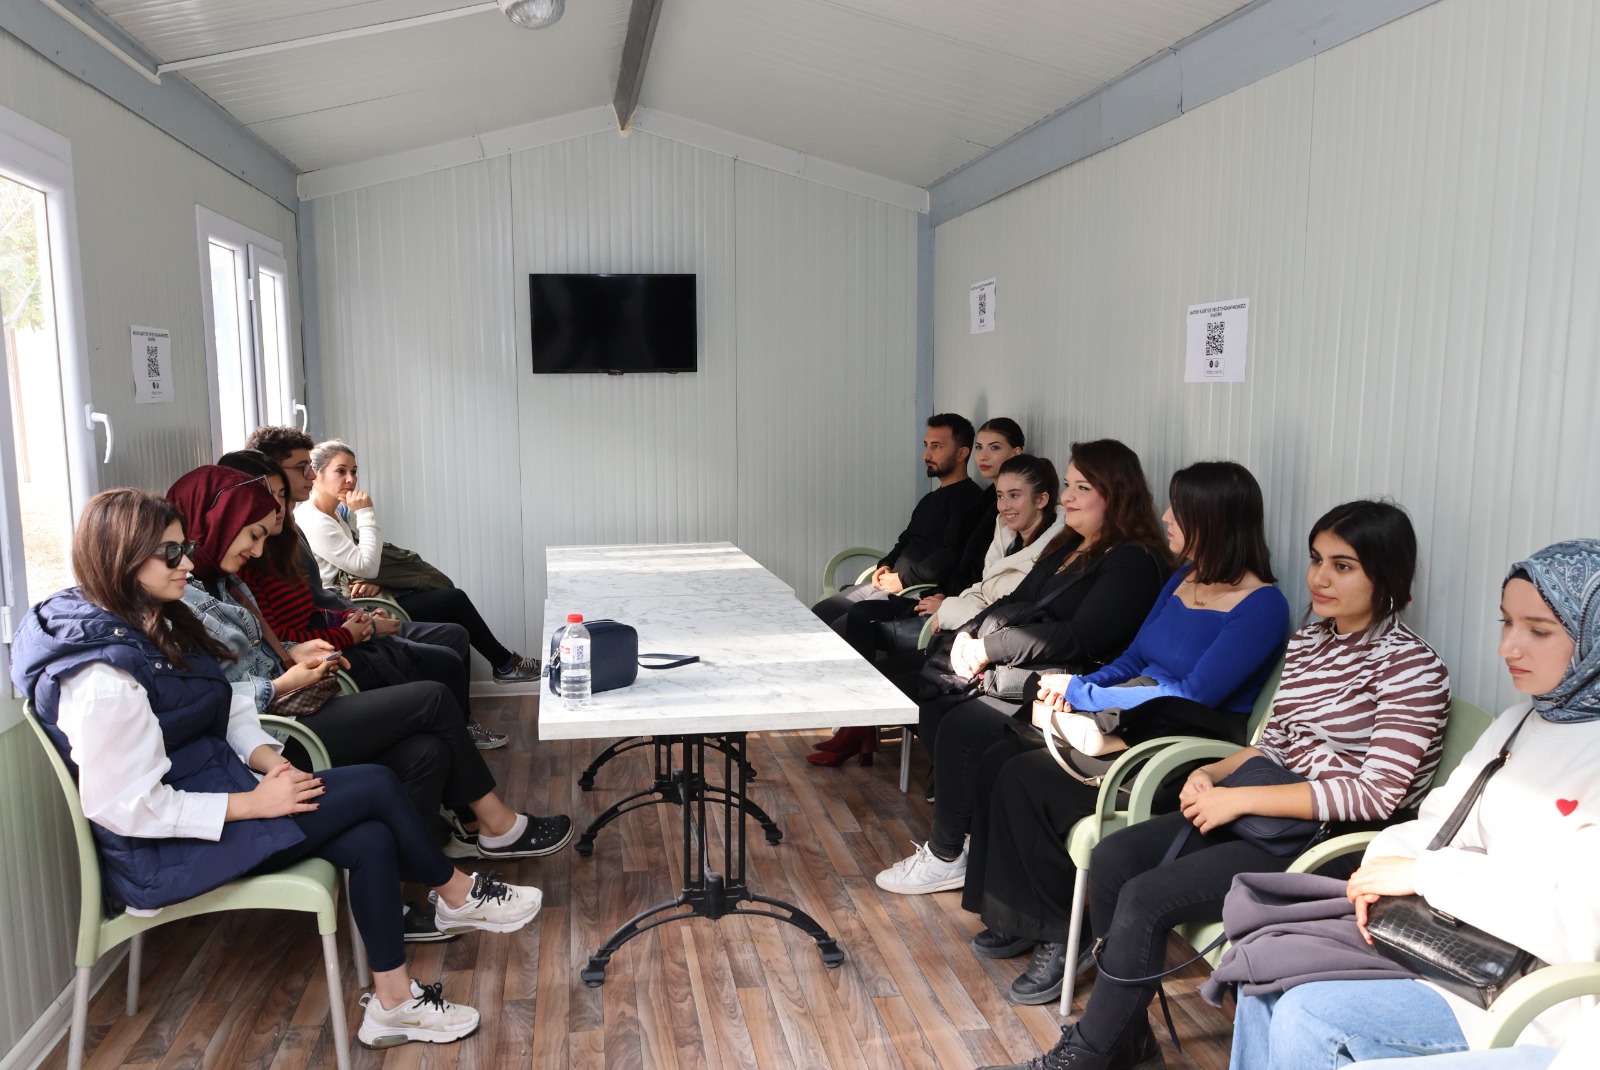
1195	668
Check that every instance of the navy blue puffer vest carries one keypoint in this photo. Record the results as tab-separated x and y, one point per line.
65	633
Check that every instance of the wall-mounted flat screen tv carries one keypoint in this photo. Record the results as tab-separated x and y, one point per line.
613	323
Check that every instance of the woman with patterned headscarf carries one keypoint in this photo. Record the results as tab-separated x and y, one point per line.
1524	866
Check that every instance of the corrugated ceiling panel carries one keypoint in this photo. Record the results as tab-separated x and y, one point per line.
1404	213
633	458
829	442
418	366
175	31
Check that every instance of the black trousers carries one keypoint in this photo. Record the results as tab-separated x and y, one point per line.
1019	874
835	606
859	624
450	605
1134	902
959	736
364	823
385	661
418	732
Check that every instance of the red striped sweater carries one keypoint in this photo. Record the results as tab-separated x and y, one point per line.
288	608
1361	716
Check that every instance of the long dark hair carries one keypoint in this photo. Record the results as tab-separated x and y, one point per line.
118	532
1218	506
1114	471
282	554
1040	476
1386	544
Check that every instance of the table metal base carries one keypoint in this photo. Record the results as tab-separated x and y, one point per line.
706	893
623	746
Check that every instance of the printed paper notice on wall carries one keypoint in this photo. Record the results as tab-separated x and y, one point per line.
982	298
1217	336
152	365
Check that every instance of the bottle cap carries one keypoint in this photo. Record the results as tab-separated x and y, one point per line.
574	618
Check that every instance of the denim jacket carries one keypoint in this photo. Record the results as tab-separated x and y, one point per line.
236	628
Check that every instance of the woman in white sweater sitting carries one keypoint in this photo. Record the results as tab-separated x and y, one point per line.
359	553
1524	866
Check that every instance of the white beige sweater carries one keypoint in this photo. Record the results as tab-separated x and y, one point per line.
1001	574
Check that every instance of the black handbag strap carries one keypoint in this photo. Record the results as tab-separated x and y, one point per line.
676	661
1458	816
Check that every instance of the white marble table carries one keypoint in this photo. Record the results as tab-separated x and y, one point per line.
766	664
691	569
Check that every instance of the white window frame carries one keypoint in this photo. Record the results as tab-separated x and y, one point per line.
39	157
253	252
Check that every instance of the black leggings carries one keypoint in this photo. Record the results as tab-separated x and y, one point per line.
450	605
418	732
365	824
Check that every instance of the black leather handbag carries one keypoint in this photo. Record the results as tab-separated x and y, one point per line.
1281	836
1460	958
613	656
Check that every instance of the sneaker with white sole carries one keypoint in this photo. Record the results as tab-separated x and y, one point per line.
461	845
924	872
492	906
484	739
541	836
519	670
427	1016
418	925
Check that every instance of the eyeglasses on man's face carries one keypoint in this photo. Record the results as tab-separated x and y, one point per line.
173	553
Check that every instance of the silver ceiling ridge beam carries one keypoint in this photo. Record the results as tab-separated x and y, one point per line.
635	55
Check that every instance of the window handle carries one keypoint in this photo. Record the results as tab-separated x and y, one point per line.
90	418
305	417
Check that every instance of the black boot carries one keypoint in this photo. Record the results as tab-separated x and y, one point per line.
1070	1053
1138	1049
996	945
1041	981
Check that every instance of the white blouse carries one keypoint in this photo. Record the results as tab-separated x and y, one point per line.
115	740
335	549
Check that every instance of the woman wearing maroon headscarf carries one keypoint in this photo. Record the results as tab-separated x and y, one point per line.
415	728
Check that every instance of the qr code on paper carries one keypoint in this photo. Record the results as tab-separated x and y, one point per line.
1214	342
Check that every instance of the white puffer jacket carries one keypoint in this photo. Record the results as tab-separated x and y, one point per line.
1001	574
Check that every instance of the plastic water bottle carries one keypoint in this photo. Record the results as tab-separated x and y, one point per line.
575	663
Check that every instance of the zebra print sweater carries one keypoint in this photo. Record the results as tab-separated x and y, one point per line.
1361	716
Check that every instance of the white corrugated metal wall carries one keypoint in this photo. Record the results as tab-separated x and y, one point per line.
807	323
1408	214
136	193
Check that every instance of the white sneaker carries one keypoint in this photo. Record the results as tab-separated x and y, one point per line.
427	1016
922	872
492	906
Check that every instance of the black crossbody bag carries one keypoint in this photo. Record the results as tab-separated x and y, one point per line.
1460	958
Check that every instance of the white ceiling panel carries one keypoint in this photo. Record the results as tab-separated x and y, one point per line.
907	89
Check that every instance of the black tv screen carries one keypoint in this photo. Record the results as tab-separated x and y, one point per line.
613	323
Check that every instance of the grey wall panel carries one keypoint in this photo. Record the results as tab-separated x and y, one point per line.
827	320
415	317
1406	213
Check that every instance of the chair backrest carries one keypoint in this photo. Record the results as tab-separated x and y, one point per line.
89	904
1263	707
1461	730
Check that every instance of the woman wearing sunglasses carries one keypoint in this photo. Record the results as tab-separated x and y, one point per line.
414	728
184	789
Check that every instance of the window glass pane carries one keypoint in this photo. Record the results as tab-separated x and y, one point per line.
33	373
274	346
227	278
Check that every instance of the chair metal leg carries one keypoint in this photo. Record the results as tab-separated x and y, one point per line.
336	1016
1080	892
358	946
80	1020
135	961
906	736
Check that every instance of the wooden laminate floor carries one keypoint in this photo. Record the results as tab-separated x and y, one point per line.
246	990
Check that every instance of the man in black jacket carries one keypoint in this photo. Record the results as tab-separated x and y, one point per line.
927	549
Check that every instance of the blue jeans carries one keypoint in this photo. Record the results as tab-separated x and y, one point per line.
1328	1024
1521	1057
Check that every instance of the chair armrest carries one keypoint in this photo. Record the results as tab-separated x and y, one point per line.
1177	754
916	590
1535	994
287	728
927	632
382	602
1315	857
828	588
347	683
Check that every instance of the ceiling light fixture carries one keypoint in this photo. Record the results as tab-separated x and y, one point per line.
533	14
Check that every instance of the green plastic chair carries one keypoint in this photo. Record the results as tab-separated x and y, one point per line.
311	886
829	588
1533	995
1146	765
1462	728
383	602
